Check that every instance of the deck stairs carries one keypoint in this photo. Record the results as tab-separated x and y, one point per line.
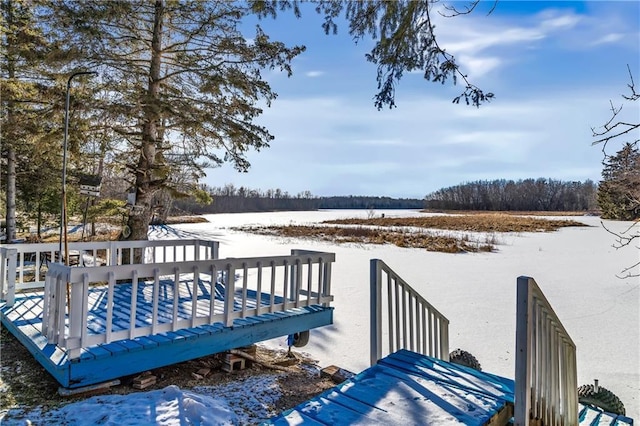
415	384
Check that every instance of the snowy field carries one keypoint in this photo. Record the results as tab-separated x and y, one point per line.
575	267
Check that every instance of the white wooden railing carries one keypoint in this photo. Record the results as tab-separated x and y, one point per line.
23	266
299	280
546	380
410	321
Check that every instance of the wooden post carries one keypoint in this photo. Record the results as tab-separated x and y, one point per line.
375	311
523	353
229	290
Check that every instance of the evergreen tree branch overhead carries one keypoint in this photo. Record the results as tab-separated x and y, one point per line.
405	40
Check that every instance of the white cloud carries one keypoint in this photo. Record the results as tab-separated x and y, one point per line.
552	20
313	74
608	38
380	142
459	39
361	169
480	65
483	44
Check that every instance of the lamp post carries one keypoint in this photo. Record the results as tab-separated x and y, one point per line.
63	207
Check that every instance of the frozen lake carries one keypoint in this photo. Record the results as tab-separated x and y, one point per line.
575	267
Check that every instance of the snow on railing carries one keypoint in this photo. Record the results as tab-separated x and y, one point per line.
208	291
545	376
23	266
410	321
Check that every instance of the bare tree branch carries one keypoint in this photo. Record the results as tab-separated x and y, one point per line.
467	9
634	95
627	272
619	190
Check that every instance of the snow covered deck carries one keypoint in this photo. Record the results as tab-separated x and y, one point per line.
94	324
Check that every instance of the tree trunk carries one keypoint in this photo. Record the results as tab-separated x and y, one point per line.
146	182
39	222
11	153
11	194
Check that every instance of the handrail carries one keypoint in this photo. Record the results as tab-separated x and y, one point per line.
411	322
545	376
219	290
21	265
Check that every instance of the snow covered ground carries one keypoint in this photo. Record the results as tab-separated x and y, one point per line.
575	267
231	404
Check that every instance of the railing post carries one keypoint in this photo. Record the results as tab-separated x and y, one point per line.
293	275
523	353
61	307
113	254
47	303
75	315
196	250
229	290
3	274
12	256
444	339
326	290
375	309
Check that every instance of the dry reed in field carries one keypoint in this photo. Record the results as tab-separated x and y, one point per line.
418	232
485	222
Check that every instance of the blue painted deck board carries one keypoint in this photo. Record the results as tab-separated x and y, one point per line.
402	390
592	416
451	374
130	356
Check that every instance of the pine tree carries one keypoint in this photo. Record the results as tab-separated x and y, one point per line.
619	191
184	84
30	114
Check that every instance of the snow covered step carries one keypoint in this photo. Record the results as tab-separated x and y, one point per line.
408	388
591	416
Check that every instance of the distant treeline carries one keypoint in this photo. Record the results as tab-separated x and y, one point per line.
229	199
522	195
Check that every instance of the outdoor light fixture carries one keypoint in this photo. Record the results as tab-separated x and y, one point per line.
63	207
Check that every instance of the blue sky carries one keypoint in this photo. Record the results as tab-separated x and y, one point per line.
553	66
